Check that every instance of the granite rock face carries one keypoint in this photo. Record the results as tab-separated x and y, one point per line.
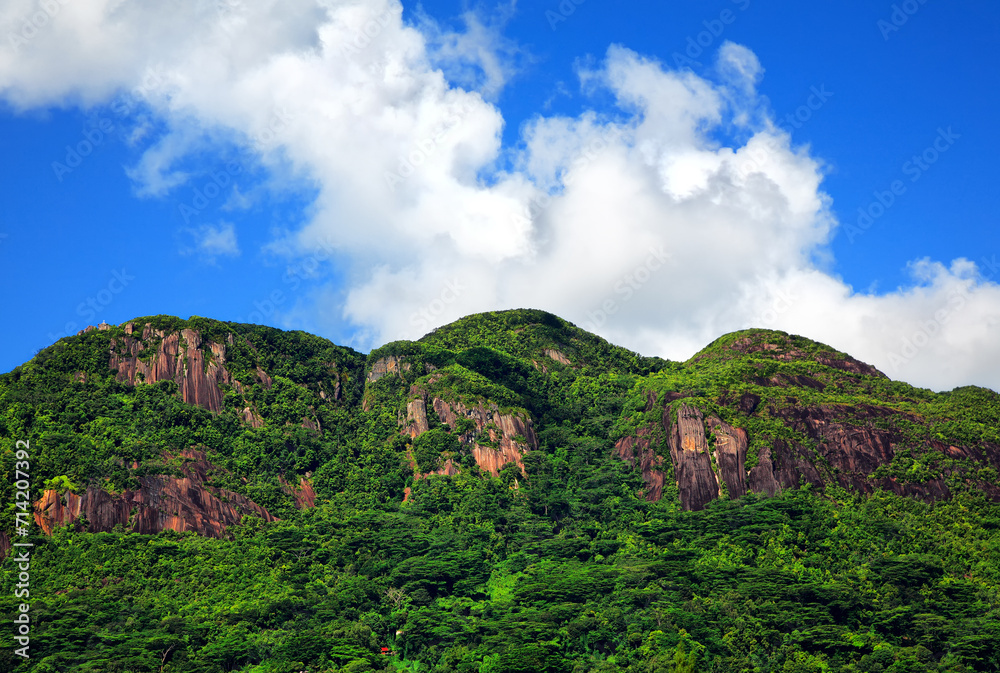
708	455
179	357
509	435
386	366
303	493
696	480
638	452
160	503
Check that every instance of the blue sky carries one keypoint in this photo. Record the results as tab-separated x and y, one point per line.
176	208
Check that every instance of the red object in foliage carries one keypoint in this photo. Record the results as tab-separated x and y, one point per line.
385	650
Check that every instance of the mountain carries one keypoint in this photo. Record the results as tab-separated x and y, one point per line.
449	474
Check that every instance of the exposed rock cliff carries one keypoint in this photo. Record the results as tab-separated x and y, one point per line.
708	455
179	357
198	367
730	452
638	452
509	436
696	480
387	365
160	503
304	494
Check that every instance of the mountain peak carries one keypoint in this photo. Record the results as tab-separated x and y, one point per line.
539	336
771	344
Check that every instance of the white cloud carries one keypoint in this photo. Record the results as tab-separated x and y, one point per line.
215	240
347	97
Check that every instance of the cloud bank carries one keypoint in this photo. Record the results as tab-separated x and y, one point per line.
683	213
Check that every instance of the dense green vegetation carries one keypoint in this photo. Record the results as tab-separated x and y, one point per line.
563	568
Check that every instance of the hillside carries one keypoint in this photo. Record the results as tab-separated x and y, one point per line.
508	493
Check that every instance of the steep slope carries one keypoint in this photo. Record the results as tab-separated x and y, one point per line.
284	418
760	411
166	424
507	494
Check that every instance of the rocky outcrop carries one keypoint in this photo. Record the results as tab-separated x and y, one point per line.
781	465
855	441
696	480
387	365
337	392
557	356
304	494
507	436
311	422
638	452
197	367
709	455
416	417
180	358
729	447
252	417
160	503
848	446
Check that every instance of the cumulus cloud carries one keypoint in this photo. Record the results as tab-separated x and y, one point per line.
680	214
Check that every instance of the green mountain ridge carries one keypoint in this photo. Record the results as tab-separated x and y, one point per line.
507	493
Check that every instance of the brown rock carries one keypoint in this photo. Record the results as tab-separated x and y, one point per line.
696	481
638	452
160	503
304	494
504	429
387	365
178	358
416	417
730	448
311	423
252	417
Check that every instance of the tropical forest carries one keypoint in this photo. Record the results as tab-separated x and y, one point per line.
507	494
